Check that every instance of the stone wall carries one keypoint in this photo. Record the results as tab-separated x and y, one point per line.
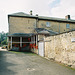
27	25
34	50
60	48
21	25
56	26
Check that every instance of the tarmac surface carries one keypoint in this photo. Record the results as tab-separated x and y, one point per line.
23	63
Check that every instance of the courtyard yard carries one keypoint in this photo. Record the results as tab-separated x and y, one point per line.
19	63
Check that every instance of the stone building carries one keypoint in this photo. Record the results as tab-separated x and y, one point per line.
26	30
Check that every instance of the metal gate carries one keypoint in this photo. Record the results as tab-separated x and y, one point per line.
41	49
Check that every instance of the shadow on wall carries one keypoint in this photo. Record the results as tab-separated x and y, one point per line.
4	64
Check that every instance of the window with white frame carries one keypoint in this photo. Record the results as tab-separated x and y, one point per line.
67	25
47	24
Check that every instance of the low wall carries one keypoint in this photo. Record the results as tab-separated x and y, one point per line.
34	51
61	48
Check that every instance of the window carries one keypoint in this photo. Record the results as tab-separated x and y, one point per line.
67	26
47	24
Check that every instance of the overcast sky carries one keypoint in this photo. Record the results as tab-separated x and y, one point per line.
51	8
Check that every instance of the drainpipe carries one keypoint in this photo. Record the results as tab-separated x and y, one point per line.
59	27
36	40
36	27
11	42
37	21
8	43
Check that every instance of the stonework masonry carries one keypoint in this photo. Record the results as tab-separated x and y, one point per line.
59	27
27	25
60	48
21	25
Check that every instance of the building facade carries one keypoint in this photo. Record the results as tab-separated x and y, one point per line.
27	30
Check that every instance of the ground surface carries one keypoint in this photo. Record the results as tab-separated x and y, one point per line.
13	63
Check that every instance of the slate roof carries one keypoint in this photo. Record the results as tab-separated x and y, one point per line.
45	31
21	14
21	35
38	30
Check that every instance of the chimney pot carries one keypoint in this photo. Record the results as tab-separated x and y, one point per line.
31	12
36	14
67	17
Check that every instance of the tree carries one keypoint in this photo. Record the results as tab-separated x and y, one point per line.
3	38
4	42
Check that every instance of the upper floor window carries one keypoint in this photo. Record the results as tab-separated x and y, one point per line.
47	24
67	25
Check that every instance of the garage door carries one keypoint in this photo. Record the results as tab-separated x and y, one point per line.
41	48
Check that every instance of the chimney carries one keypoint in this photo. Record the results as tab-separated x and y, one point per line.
67	17
31	12
36	14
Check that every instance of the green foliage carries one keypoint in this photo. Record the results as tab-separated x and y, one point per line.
3	38
4	42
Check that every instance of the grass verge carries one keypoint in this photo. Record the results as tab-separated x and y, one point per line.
30	53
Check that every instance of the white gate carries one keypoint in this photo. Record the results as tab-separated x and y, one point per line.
41	48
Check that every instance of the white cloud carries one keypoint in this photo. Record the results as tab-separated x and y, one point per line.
38	6
13	6
41	7
3	21
64	8
50	1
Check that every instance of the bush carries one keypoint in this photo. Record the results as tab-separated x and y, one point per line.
4	42
4	47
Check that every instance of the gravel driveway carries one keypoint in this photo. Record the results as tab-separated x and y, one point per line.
16	63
